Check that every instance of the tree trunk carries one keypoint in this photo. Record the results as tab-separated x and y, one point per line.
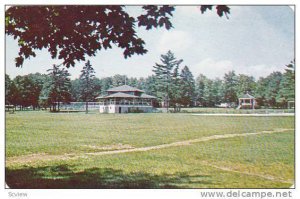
86	107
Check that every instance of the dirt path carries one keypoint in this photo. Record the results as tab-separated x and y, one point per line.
246	114
264	176
186	142
28	159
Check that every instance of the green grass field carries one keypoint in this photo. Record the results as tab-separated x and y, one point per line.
65	150
234	111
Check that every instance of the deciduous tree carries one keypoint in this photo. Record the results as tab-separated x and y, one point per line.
58	87
72	32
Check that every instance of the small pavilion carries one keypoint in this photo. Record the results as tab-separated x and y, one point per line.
247	101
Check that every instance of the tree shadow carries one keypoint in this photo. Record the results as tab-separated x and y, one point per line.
62	177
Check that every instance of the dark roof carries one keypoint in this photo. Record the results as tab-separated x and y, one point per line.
247	96
124	88
118	95
125	95
147	96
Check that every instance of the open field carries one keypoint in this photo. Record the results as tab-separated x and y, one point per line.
75	150
235	111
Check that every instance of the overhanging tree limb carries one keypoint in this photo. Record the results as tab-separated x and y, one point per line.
73	32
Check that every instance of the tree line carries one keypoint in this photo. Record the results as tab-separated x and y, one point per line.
171	82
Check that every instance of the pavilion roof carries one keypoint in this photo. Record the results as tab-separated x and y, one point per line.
147	96
118	95
247	96
125	95
124	88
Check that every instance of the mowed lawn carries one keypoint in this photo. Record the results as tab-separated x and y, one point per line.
254	161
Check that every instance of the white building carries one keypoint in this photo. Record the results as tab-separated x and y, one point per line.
125	99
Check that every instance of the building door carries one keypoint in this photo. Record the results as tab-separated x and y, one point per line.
120	110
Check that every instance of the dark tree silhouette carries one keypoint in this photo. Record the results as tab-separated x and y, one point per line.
72	32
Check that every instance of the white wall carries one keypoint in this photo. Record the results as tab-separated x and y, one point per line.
124	108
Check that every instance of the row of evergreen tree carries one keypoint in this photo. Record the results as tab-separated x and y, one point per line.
174	86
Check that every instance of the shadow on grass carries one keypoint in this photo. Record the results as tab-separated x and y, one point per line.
62	176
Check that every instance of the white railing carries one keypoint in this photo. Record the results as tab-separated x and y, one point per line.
126	103
135	103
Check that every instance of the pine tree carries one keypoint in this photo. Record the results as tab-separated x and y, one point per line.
260	91
105	84
88	89
217	91
200	86
273	88
230	87
267	89
245	84
174	89
149	85
208	98
187	87
287	85
119	80
166	75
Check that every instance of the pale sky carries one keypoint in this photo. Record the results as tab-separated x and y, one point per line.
255	40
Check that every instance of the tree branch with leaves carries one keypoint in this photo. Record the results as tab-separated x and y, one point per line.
72	32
